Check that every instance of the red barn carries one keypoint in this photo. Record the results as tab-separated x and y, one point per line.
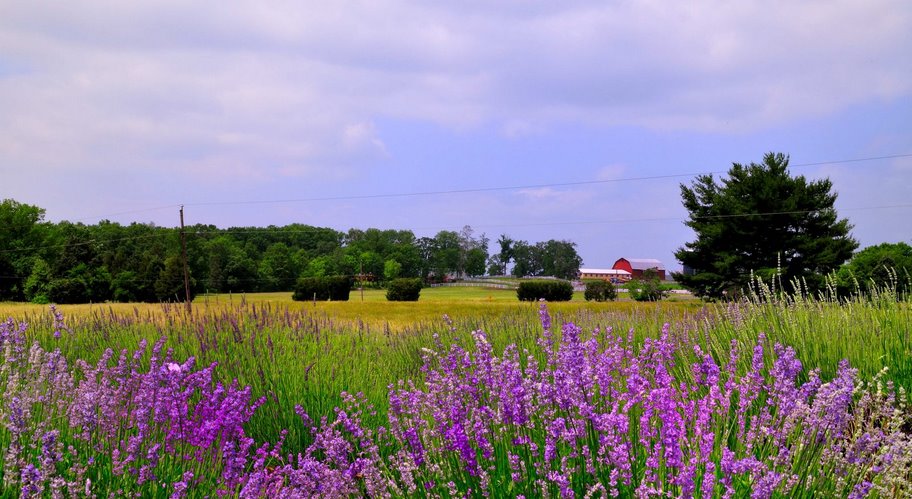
636	266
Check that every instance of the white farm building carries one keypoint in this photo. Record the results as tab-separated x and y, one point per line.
613	275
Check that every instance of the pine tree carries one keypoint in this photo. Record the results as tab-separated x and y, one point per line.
761	220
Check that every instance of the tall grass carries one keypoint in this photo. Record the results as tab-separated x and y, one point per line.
300	359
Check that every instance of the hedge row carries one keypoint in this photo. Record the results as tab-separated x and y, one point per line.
403	289
600	291
547	290
335	288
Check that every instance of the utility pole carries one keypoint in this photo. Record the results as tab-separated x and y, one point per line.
186	268
361	278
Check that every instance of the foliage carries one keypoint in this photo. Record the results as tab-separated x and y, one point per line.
560	259
375	247
404	289
445	258
391	270
545	289
504	256
37	286
126	288
143	262
473	253
278	270
527	259
885	264
21	239
335	288
647	288
97	280
495	265
600	290
231	268
170	284
758	220
68	290
475	262
548	258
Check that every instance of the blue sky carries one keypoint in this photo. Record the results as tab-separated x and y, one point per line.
123	110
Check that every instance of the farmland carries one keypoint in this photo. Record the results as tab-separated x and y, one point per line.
465	392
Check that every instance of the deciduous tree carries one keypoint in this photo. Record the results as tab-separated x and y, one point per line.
20	237
877	266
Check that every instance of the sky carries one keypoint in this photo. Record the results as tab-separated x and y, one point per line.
571	120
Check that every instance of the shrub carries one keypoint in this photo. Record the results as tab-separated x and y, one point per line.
548	290
600	291
648	288
404	289
335	288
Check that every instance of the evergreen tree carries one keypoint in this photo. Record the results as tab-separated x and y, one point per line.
761	220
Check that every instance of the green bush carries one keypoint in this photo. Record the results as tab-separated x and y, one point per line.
600	291
548	290
404	289
40	300
335	288
647	288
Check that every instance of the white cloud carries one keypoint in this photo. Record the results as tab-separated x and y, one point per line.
553	202
252	89
611	172
363	137
517	128
542	193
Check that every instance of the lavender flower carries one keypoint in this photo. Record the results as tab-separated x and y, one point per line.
602	416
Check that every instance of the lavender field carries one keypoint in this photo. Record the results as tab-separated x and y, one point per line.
765	398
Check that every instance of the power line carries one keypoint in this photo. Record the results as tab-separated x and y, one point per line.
475	190
677	219
127	212
88	242
517	187
471	190
168	232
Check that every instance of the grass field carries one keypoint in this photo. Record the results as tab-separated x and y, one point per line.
300	357
376	311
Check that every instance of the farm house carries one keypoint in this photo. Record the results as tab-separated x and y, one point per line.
636	266
613	275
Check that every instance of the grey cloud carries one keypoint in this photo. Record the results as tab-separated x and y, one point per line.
275	85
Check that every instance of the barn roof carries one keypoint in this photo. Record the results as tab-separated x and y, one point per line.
645	263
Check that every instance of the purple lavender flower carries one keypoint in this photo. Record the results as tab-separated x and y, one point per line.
603	415
32	481
59	323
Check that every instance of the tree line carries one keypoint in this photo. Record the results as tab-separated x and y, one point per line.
70	262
